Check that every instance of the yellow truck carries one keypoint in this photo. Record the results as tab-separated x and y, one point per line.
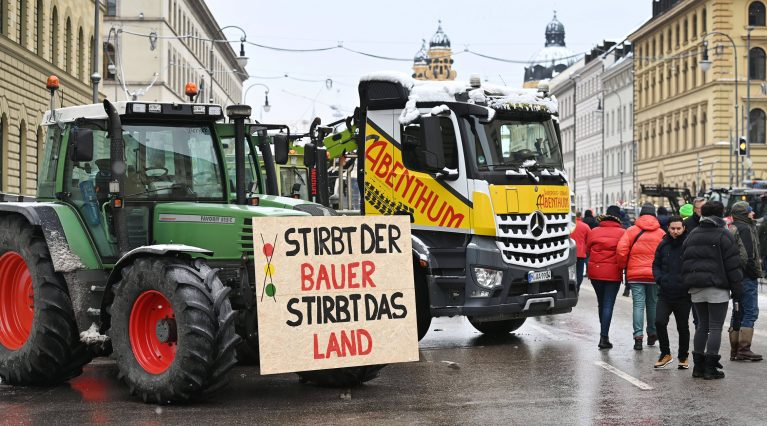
479	171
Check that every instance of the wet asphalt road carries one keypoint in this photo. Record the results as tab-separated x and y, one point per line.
548	372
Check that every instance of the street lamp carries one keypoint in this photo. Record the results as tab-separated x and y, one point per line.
705	65
266	107
242	60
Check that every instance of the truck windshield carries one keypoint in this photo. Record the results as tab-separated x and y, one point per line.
507	143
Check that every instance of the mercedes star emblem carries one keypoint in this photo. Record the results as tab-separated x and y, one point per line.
537	224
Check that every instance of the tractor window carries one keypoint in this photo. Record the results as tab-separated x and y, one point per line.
46	187
250	167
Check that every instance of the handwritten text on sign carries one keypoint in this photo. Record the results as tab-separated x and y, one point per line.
334	292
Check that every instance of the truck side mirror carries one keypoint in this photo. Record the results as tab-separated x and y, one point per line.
82	145
280	148
431	138
310	155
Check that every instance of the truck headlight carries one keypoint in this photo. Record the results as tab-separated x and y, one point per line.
488	278
572	271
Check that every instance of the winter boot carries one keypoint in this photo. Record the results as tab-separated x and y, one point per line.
734	337
711	372
604	343
638	343
651	339
698	365
744	346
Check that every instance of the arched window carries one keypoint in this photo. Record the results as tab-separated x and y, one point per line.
109	54
756	14
756	64
80	54
39	24
54	38
756	131
68	47
704	20
111	7
22	27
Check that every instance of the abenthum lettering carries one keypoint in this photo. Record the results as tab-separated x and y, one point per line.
545	201
409	189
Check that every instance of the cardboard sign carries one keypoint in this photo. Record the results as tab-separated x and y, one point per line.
334	292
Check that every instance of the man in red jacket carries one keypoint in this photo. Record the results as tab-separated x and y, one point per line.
636	252
604	273
579	234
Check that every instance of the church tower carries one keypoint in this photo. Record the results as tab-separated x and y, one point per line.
438	61
421	62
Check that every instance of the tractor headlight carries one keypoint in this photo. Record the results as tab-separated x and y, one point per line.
488	278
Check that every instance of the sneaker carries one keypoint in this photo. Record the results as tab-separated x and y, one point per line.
664	360
651	339
638	344
683	364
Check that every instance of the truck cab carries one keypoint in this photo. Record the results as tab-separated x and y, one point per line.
479	170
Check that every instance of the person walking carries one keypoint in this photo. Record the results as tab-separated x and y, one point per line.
741	330
692	222
589	219
579	234
636	253
663	218
603	271
672	295
712	272
763	243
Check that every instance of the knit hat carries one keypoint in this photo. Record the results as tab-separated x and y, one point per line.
613	211
686	211
662	210
647	209
740	209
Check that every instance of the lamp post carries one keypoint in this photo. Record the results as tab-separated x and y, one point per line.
266	107
705	65
95	76
242	60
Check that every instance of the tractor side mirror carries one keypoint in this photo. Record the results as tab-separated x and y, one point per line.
310	155
431	137
82	146
281	148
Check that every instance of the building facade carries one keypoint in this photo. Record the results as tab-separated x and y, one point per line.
38	38
563	87
618	105
686	118
436	63
154	47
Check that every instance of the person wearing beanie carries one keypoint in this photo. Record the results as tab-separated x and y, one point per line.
741	330
712	272
579	234
672	295
589	219
663	218
636	253
603	270
686	211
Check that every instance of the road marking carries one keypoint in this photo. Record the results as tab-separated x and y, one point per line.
623	375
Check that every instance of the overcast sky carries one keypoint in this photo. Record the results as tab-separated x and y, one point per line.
510	29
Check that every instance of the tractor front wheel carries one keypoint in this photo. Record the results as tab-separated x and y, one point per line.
341	377
39	343
172	329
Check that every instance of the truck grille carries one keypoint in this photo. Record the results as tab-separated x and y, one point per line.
521	245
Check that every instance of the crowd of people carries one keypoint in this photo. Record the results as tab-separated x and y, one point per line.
695	262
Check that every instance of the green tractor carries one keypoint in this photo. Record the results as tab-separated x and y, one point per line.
139	244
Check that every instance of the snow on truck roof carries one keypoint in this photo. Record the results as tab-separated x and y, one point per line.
493	96
97	112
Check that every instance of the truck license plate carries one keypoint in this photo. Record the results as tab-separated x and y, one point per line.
537	276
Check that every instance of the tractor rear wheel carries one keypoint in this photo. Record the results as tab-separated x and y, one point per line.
497	328
172	329
341	377
247	328
39	343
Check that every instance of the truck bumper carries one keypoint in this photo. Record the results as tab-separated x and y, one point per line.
514	298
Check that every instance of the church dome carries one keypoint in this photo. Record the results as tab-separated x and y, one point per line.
555	32
421	56
554	57
439	39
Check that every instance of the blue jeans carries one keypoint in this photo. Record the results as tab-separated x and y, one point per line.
749	305
645	297
580	267
606	292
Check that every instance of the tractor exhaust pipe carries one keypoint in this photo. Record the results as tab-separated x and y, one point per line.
238	114
117	184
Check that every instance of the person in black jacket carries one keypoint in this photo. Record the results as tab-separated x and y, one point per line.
673	297
711	271
589	219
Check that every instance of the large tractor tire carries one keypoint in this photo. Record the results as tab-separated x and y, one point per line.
497	328
172	329
39	342
341	377
247	328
